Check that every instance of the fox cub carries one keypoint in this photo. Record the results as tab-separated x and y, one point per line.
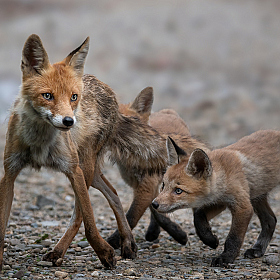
239	176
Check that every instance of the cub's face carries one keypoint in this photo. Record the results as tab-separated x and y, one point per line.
180	190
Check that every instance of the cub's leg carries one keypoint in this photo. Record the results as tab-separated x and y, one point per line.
242	212
268	223
173	229
202	226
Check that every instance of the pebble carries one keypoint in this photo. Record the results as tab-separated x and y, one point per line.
271	275
272	259
61	274
83	244
44	263
95	274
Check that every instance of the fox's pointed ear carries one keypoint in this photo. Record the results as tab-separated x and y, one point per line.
144	101
173	152
199	165
77	58
34	57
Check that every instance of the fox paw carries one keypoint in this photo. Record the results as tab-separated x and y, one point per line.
212	242
53	257
253	253
114	240
107	258
152	233
129	250
220	262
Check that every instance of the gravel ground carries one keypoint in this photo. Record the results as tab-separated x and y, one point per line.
43	205
215	62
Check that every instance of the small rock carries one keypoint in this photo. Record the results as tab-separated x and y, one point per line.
95	274
19	274
6	267
43	201
129	272
83	244
61	274
59	262
46	243
45	263
154	246
272	259
271	275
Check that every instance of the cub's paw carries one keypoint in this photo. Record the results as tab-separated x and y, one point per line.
209	239
253	253
212	242
220	261
152	233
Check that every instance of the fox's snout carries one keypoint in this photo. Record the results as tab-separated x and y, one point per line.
155	204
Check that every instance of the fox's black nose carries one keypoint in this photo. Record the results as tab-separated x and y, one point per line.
68	121
155	204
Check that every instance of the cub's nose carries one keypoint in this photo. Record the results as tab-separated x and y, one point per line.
155	204
68	121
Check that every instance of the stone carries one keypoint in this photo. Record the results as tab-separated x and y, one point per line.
45	263
83	244
61	274
19	274
271	275
43	201
95	274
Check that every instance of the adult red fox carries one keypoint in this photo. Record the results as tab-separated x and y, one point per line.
64	121
239	177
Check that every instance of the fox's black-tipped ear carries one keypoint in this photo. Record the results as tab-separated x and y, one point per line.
144	101
199	165
77	58
34	57
173	151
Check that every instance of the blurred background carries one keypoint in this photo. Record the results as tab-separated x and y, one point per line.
216	62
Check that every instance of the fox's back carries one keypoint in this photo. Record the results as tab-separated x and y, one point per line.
260	157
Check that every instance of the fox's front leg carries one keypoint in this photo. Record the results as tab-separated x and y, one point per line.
55	256
241	216
201	222
6	199
128	245
103	250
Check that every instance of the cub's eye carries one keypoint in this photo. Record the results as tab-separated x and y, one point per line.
74	97
47	96
162	187
178	191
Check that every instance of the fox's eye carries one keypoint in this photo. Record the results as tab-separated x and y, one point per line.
47	96
162	187
178	191
74	97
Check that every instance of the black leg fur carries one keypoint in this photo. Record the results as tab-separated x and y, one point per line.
268	224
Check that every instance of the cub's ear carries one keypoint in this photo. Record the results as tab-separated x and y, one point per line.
173	152
77	58
144	101
199	165
34	57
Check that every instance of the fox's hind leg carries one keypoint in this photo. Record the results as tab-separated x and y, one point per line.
268	223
